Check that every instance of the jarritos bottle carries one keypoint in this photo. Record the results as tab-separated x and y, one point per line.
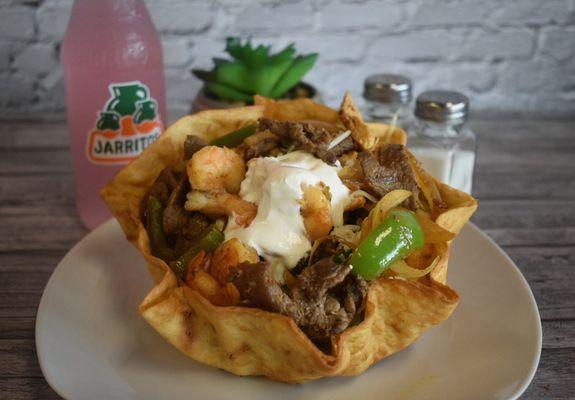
113	66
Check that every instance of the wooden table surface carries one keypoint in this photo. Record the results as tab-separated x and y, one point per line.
524	180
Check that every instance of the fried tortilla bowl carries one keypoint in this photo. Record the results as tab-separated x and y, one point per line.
250	341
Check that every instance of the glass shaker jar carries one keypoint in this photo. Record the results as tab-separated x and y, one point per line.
441	140
387	99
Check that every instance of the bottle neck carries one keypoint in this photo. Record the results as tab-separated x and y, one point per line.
440	129
107	11
111	34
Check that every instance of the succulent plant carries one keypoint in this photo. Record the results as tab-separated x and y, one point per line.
254	70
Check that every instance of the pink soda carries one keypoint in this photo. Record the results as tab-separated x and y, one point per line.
113	65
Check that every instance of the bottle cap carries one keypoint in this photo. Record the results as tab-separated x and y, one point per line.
387	88
442	106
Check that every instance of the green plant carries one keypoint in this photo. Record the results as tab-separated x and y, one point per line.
254	70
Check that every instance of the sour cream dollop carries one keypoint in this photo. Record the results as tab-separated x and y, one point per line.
275	185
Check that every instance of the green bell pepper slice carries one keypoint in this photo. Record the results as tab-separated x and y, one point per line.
395	238
154	226
209	242
236	137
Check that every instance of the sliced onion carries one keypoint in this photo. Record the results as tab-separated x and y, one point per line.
403	270
363	193
340	138
378	213
347	232
426	183
393	125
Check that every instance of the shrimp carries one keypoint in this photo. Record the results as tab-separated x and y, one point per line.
354	203
315	212
215	175
209	288
216	169
222	203
231	254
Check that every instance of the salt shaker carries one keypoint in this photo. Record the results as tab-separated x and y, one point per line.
387	99
441	140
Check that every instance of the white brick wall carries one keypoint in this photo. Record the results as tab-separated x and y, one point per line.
507	55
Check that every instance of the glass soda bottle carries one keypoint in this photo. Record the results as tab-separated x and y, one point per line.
113	67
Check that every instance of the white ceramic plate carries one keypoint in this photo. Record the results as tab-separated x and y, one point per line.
92	343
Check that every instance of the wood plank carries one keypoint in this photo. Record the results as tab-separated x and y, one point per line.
518	129
26	388
541	237
20	355
555	377
23	278
22	288
43	261
39	228
533	152
543	183
550	213
34	134
17	328
22	304
35	192
558	334
497	153
550	272
42	162
516	146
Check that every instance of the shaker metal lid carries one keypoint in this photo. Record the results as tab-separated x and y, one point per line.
441	106
387	88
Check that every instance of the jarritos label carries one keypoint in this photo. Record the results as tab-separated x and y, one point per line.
128	123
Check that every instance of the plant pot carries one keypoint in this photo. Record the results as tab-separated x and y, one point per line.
206	101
